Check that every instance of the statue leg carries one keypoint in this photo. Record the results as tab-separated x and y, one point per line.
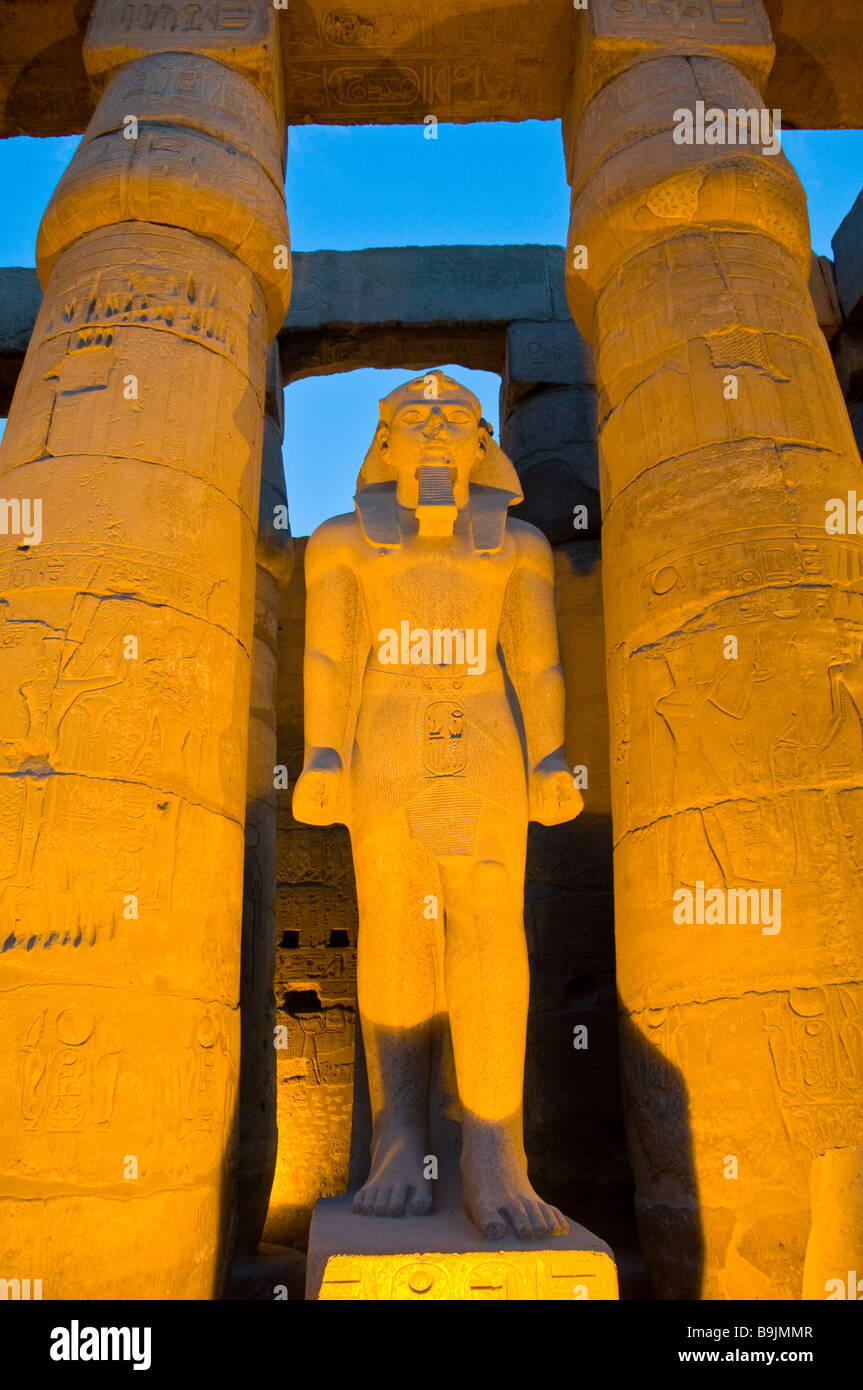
487	989
398	948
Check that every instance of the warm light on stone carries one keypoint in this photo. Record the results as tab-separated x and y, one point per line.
124	780
378	907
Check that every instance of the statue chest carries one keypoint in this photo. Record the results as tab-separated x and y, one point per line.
446	590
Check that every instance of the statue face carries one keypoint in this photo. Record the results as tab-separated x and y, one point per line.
442	433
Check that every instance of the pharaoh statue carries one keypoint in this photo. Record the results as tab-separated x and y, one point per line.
434	719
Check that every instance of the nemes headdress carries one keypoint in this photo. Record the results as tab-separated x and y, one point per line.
494	486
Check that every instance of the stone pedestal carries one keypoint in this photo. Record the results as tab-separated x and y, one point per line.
441	1258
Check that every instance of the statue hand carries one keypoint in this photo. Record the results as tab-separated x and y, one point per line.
318	791
554	797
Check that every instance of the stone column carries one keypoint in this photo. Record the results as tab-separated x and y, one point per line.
847	350
733	641
548	428
128	631
847	345
274	552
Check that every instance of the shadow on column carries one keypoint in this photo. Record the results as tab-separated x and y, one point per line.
656	1110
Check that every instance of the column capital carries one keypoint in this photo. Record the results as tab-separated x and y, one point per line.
203	155
242	34
636	182
612	35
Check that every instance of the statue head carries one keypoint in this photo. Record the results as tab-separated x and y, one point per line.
434	455
431	422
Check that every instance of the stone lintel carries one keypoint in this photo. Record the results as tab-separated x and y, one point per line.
428	284
461	60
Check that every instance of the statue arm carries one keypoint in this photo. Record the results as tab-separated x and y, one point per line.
336	648
530	650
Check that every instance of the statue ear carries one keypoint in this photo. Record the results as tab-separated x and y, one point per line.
376	466
493	469
484	433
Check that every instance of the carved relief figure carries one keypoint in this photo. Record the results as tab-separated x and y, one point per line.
69	1071
436	764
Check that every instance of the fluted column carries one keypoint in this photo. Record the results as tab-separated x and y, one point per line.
128	633
733	640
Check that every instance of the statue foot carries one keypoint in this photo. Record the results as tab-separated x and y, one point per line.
497	1192
395	1184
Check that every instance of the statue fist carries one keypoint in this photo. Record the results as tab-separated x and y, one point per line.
317	794
554	797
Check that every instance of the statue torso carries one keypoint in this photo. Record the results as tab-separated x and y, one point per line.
439	740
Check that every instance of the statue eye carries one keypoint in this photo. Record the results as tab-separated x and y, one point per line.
460	417
412	417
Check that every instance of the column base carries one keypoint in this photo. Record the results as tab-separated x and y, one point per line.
272	1273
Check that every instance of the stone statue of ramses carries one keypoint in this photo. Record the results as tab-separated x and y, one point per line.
434	727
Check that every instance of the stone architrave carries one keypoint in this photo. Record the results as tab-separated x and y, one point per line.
127	634
257	1123
734	623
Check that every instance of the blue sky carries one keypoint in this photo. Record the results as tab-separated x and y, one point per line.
350	188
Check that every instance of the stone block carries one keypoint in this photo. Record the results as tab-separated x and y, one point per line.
825	296
544	354
847	350
384	62
440	1258
425	285
551	438
20	298
848	254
